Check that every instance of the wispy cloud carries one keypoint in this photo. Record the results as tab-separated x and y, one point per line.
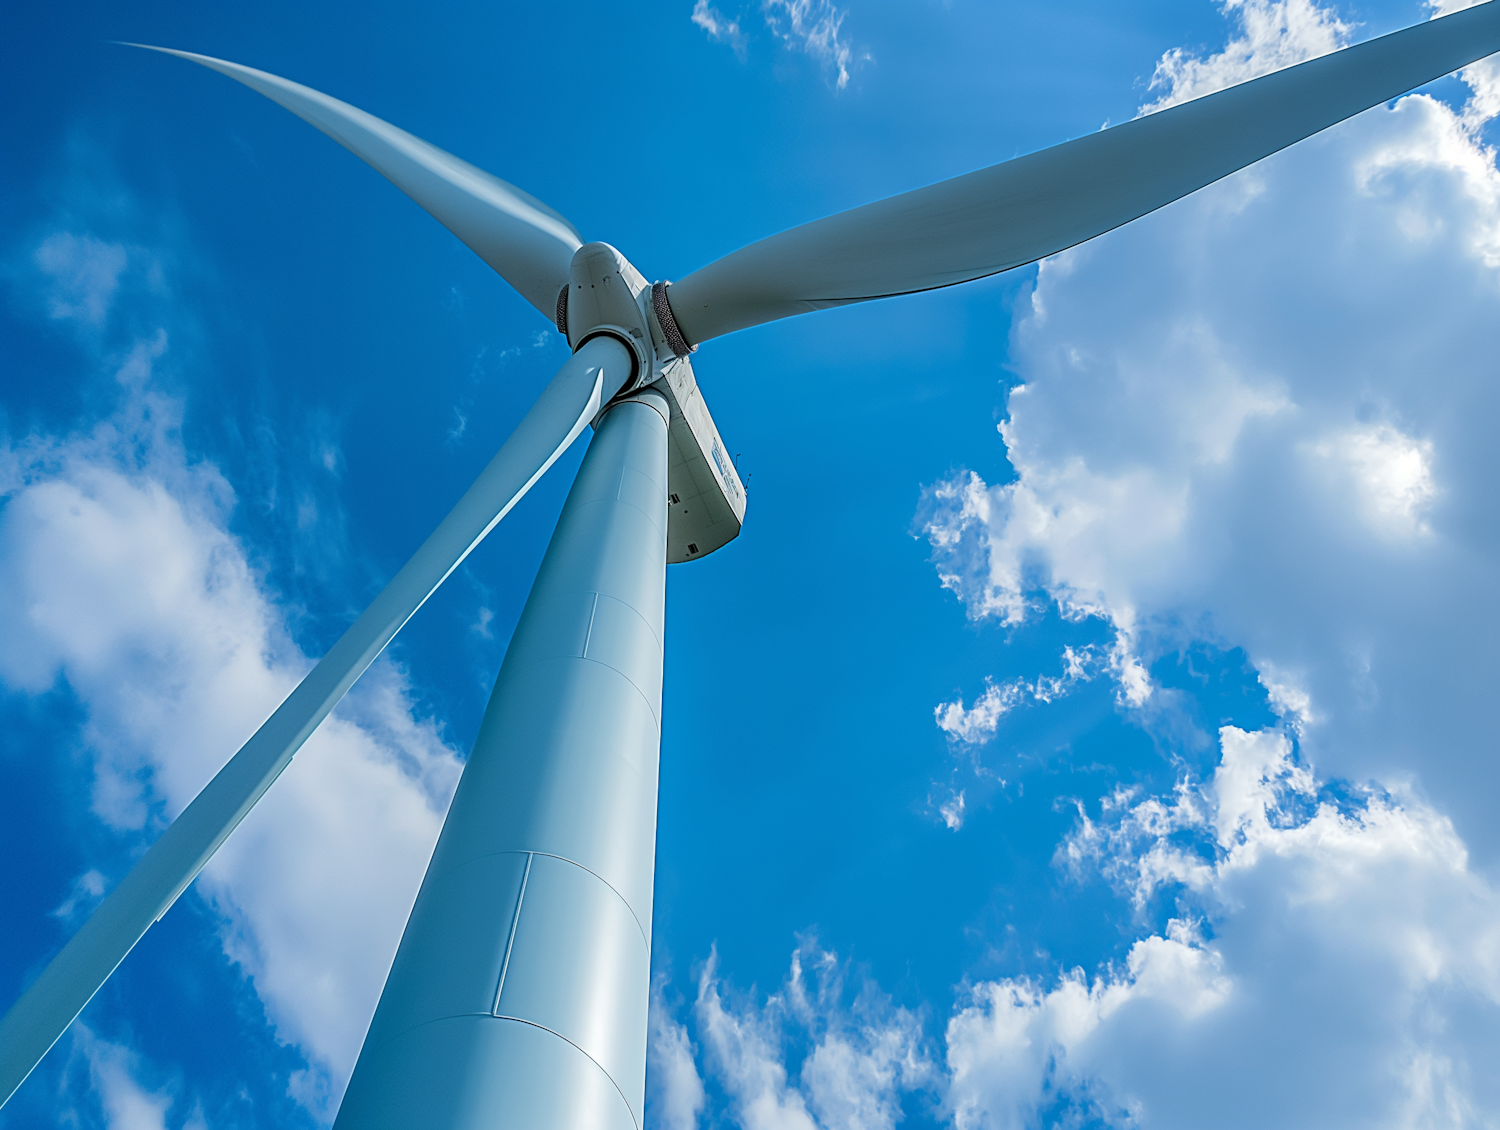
860	1057
115	1089
83	273
815	27
976	724
952	811
677	1097
811	27
719	27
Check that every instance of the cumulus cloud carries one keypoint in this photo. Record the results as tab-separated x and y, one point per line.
119	577
1331	959
1261	418
1482	77
1258	419
1273	34
1334	964
1390	474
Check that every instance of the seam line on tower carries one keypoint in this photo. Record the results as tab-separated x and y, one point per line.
588	636
607	883
510	942
629	1109
611	667
561	859
521	1020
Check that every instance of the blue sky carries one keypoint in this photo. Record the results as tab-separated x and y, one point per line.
1093	725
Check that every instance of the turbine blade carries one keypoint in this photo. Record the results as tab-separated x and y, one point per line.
48	1006
526	242
1023	210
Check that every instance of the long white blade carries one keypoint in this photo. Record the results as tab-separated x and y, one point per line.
1023	210
525	241
46	1009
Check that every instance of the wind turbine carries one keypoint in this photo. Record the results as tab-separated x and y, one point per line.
518	996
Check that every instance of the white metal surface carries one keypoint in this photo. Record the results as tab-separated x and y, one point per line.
518	998
557	808
605	293
526	242
49	1005
705	497
1020	211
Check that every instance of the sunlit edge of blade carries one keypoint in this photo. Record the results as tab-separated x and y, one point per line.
720	286
482	186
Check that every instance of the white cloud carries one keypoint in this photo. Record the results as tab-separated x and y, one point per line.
812	27
1483	77
677	1097
860	1058
119	575
123	1101
1286	696
82	273
1011	1045
975	725
745	1054
1333	961
1262	418
1342	969
719	28
952	811
87	890
1391	475
1273	34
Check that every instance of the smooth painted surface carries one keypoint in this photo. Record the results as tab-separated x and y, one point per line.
527	243
522	981
452	1080
707	499
49	1005
801	683
1023	210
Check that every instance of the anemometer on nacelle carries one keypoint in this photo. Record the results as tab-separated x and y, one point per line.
607	297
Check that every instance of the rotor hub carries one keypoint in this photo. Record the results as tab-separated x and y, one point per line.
606	295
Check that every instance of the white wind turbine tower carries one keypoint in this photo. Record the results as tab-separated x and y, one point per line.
518	996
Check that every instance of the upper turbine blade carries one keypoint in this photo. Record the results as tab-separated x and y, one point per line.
528	243
1034	206
45	1010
